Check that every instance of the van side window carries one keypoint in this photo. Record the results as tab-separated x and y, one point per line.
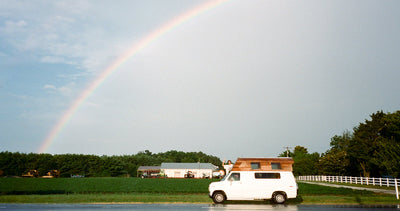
267	175
255	165
234	177
276	166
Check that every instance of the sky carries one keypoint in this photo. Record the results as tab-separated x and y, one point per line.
237	79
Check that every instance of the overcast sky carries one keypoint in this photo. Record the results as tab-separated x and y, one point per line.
243	79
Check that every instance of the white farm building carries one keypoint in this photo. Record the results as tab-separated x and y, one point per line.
178	170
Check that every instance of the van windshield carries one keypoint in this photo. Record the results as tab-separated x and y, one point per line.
232	177
226	176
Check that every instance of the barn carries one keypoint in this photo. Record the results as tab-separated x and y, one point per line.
178	170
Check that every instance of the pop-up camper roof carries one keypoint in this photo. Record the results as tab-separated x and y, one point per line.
263	164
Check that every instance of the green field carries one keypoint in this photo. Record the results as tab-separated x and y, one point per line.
137	190
101	185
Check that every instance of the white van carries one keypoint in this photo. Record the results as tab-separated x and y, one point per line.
254	185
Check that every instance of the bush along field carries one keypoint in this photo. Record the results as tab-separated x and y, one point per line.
137	190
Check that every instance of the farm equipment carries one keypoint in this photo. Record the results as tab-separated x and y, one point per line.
189	174
52	174
31	173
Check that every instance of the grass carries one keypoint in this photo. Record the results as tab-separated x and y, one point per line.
311	189
18	186
136	190
107	198
362	185
316	194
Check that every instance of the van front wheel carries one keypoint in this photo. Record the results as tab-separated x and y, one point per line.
218	197
278	198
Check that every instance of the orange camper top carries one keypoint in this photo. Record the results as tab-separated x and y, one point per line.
263	164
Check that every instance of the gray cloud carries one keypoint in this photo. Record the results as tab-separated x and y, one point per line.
243	79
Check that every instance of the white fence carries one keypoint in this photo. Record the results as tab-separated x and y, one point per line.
388	182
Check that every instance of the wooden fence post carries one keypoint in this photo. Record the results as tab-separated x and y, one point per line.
397	189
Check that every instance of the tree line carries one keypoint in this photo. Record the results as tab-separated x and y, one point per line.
17	164
371	149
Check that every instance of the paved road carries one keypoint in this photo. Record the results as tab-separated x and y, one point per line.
352	187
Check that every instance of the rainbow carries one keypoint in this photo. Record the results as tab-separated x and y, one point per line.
142	43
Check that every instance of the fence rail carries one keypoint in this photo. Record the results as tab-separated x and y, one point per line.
388	182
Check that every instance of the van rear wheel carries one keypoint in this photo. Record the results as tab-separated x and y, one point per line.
279	198
218	197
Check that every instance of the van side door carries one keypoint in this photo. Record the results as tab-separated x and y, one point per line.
267	183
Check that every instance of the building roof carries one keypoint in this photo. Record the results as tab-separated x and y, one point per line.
188	166
147	168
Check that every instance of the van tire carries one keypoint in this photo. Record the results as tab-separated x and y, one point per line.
279	197
218	197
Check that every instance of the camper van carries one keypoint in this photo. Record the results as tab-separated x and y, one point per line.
256	179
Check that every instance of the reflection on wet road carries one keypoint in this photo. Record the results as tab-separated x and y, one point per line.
210	207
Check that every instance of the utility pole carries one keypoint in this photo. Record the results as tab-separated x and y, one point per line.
287	151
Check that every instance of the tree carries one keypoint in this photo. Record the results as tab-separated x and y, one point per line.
365	143
15	164
388	157
336	160
372	139
304	163
373	149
